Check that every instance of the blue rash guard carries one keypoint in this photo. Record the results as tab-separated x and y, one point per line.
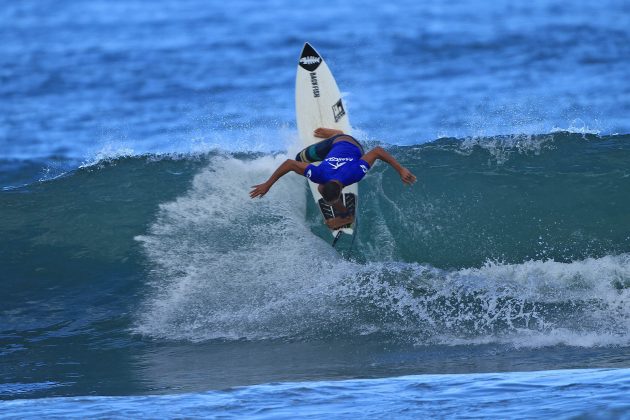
343	163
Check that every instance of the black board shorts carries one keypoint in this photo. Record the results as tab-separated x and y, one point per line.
318	151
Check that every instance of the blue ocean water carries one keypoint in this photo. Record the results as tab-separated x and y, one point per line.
140	280
592	393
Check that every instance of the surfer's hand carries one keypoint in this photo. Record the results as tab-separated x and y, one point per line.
406	176
259	190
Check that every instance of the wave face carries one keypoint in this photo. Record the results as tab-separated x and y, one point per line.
509	199
519	240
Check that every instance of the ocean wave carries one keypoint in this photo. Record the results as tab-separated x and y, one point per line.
261	282
516	240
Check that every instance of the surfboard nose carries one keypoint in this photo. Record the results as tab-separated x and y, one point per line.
309	59
308	49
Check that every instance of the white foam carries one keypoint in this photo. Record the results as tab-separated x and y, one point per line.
501	148
548	303
227	266
524	338
109	151
577	126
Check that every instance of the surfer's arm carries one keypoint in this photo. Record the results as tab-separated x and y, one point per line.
379	153
289	165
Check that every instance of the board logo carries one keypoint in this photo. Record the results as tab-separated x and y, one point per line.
338	110
337	165
309	60
314	84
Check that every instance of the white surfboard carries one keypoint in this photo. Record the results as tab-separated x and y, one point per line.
318	103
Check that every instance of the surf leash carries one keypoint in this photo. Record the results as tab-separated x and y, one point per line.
339	233
356	229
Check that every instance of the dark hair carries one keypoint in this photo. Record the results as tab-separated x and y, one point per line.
331	191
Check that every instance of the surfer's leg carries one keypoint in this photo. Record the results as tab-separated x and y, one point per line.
315	152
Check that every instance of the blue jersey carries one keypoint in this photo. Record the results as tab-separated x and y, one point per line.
343	163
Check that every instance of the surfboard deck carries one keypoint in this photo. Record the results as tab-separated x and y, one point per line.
318	103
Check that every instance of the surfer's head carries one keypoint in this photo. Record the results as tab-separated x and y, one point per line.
331	191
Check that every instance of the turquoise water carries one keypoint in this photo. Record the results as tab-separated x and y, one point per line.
140	280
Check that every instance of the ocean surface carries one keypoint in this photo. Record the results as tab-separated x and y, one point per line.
139	280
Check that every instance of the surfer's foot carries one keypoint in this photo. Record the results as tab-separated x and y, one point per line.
325	133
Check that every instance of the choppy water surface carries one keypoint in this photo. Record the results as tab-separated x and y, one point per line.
522	395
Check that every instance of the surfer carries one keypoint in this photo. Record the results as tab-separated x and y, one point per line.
344	163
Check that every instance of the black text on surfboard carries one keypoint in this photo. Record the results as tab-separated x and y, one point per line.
314	84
